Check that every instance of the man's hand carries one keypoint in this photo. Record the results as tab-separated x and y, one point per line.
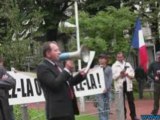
129	76
122	74
105	90
4	77
83	72
156	78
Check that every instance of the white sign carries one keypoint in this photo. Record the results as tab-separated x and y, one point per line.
27	89
91	57
94	84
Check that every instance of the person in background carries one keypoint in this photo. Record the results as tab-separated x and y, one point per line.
154	74
123	75
57	83
69	65
103	99
6	83
141	78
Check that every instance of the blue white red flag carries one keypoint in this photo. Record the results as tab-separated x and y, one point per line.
138	42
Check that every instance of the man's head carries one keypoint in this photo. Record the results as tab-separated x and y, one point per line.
158	56
69	64
103	59
51	50
120	57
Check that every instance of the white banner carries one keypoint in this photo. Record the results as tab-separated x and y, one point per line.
27	89
94	84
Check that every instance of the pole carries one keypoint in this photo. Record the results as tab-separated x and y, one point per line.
77	27
25	115
82	103
119	102
154	51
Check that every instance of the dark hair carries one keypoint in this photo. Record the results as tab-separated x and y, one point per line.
121	52
64	62
46	47
103	55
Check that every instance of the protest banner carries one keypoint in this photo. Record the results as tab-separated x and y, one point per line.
28	90
94	83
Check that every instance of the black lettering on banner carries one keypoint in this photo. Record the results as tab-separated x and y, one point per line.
38	88
88	85
98	79
29	88
93	83
13	94
23	91
79	87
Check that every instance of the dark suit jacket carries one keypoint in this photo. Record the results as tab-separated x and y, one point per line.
55	88
5	86
140	75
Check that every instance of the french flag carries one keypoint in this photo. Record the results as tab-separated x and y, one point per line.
138	42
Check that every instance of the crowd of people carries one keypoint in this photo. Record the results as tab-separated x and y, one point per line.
57	83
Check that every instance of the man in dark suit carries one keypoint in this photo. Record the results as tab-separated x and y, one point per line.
6	83
69	65
57	84
141	78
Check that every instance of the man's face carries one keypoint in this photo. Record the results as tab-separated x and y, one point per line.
70	65
54	53
120	57
102	61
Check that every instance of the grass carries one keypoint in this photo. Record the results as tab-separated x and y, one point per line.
81	117
146	95
34	114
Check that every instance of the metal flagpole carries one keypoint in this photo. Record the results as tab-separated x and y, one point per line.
82	102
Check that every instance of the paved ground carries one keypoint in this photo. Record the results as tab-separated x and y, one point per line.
143	107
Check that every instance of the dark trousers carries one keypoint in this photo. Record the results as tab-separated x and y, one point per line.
140	87
130	99
64	118
1	112
156	98
4	111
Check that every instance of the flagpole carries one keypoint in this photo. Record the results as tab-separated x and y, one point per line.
82	101
130	44
154	51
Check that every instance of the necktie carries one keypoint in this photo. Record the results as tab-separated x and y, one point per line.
58	69
70	90
71	94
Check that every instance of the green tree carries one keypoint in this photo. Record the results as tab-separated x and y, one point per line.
17	29
104	31
34	16
22	21
19	54
148	11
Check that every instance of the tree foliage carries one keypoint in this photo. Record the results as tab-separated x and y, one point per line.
20	54
101	26
148	11
40	17
22	21
104	31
